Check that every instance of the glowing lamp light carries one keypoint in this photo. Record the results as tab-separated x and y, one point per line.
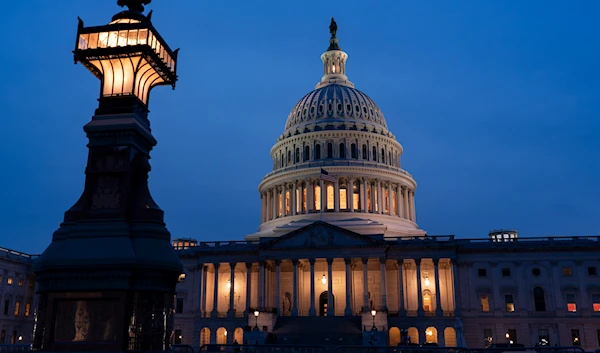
225	333
429	333
228	285
507	335
127	55
20	338
324	280
256	313
333	68
426	281
373	312
511	342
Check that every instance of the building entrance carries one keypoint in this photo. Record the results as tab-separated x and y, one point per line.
324	308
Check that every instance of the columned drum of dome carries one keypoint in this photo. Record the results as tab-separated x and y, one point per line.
339	130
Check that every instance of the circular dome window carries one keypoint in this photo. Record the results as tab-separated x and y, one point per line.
536	272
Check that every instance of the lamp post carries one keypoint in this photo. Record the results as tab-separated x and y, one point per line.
507	335
256	312
373	313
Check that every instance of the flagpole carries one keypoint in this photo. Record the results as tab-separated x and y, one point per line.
321	200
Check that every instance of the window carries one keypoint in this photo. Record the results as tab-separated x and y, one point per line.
543	337
6	305
2	336
512	335
181	277
297	157
364	152
342	150
571	305
9	280
17	308
353	151
179	306
598	334
487	337
20	283
27	309
509	303
382	156
306	153
330	197
330	150
506	272
592	271
318	152
566	271
575	337
374	156
484	299
596	302
178	337
538	299
481	272
536	272
289	158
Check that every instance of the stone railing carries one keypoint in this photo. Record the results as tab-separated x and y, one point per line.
333	162
16	255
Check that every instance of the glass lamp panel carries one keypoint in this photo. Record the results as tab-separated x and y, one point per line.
113	39
122	38
103	40
117	74
107	83
129	65
132	37
83	41
144	71
93	42
142	36
153	80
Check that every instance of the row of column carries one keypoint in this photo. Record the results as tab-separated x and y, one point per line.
348	311
300	197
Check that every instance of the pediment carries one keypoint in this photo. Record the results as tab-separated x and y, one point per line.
322	235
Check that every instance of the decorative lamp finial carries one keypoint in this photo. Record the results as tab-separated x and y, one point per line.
134	5
333	41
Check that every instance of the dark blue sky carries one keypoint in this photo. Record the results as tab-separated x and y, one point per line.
495	102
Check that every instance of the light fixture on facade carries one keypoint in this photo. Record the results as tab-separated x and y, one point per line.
20	338
228	285
256	312
225	333
429	332
373	313
426	281
324	280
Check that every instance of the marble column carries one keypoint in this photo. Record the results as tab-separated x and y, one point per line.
295	289
383	285
300	206
215	311
412	206
278	286
201	295
323	196
268	207
312	311
231	311
405	199
336	195
401	305
310	196
363	195
248	287
261	285
348	310
366	306
330	303
350	193
438	296
274	202
420	311
399	201
284	190
372	198
293	203
390	200
454	267
379	198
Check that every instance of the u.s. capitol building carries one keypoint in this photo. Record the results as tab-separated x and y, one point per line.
339	253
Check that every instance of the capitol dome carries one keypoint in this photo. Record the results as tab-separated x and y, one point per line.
337	162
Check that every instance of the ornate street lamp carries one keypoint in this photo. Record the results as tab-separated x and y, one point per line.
128	55
256	312
373	313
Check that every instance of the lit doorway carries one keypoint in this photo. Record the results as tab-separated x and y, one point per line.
324	308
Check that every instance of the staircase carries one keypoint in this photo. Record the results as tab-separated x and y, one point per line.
318	330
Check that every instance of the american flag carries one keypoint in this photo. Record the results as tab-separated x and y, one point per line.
326	176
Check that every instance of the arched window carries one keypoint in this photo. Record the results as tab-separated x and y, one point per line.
538	299
330	197
289	159
374	157
364	152
356	197
204	336
394	335
238	336
382	156
353	151
297	160
281	159
330	150
306	153
318	152
390	158
342	150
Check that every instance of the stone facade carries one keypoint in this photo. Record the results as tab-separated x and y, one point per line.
17	285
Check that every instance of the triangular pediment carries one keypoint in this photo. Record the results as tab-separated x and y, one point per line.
322	235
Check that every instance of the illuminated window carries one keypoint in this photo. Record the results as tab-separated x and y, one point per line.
279	204
27	309
343	199
426	302
509	303
355	197
566	271
20	283
596	302
330	197
304	199
317	198
485	303
181	277
298	205
394	205
386	201
369	206
9	281
287	202
376	194
575	337
17	308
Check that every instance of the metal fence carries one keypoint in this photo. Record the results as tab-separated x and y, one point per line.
275	348
398	349
539	349
267	348
14	348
